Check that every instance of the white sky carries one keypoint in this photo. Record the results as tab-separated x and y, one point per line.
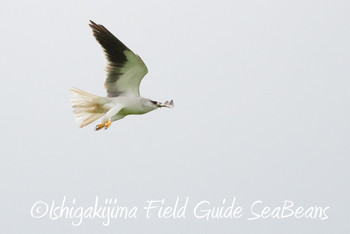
261	91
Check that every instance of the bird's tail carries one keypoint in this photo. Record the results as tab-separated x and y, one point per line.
87	107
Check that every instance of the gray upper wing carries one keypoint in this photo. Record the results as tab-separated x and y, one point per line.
125	69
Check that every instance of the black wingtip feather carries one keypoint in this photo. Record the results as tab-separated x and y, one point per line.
112	46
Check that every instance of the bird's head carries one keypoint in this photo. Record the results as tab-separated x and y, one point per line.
165	104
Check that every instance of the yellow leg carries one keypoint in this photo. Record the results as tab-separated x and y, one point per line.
100	126
108	124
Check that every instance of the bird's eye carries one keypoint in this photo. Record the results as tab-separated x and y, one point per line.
154	102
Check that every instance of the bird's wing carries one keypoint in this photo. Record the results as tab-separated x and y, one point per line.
125	69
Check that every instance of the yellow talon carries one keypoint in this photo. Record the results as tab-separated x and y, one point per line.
100	126
108	124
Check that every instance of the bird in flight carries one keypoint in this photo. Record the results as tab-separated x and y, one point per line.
125	71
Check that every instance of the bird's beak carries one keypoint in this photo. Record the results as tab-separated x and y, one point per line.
167	104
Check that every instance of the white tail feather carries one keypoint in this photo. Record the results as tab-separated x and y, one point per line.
88	107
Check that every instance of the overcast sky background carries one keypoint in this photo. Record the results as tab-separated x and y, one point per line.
261	91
